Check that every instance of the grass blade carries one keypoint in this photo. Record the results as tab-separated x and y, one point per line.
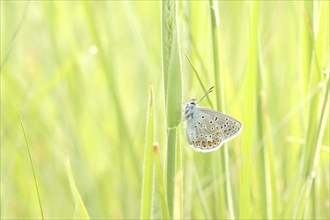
32	166
215	20
148	167
81	211
249	116
173	87
161	188
178	188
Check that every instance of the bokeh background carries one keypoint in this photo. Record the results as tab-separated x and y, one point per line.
79	72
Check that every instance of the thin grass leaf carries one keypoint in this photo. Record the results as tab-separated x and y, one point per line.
263	160
13	38
81	211
201	195
161	188
301	206
148	167
173	90
314	136
315	77
170	167
178	186
219	89
245	208
31	163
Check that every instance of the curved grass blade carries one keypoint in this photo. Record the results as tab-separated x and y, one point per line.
31	162
148	167
81	211
161	188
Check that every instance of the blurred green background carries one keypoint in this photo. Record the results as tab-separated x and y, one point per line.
79	74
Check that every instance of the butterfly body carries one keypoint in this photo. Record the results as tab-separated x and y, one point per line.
207	129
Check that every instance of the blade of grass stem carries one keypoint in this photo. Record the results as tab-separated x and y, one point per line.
170	167
173	90
312	147
31	163
148	167
202	198
263	160
224	155
249	115
161	188
178	196
81	211
13	38
301	205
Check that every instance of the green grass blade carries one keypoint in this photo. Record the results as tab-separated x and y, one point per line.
219	89
161	188
170	167
13	38
315	77
245	207
264	166
301	205
202	197
113	88
32	166
173	90
81	211
316	120
148	167
178	187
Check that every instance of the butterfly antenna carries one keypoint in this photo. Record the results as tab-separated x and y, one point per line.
208	92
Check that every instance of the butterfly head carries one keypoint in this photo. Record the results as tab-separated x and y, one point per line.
189	108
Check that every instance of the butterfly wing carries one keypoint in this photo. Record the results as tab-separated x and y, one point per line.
207	129
200	136
229	126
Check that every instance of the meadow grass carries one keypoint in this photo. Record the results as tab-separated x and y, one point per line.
102	145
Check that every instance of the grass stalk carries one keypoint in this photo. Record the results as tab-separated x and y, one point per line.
161	188
121	122
249	115
310	180
31	163
215	20
172	87
264	157
316	117
148	167
80	211
170	167
178	187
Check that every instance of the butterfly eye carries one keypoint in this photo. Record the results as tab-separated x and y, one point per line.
211	122
203	116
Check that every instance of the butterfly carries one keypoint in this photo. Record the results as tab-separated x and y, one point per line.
206	129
